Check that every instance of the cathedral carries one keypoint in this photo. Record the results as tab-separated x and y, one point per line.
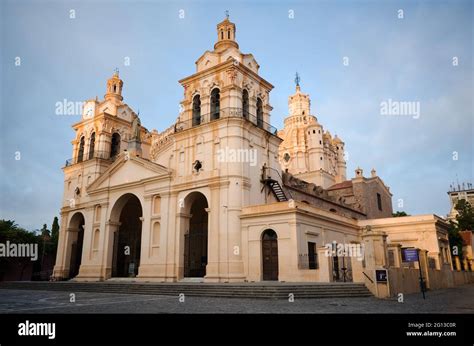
170	206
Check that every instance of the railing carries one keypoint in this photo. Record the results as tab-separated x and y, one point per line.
224	113
367	277
105	155
306	262
266	176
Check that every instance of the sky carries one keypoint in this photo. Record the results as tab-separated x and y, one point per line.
351	56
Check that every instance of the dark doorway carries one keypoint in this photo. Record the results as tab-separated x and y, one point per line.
196	110
342	269
270	255
215	104
77	223
259	113
195	242
80	154
312	256
115	145
127	240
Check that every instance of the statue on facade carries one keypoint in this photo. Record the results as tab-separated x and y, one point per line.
136	127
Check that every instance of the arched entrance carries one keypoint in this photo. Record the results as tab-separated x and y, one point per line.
270	255
127	239
76	231
195	240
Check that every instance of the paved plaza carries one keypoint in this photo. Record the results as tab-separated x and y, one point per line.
453	300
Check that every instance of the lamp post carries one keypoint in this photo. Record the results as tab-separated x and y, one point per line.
422	284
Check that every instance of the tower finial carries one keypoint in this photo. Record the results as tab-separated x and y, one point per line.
116	71
297	79
227	14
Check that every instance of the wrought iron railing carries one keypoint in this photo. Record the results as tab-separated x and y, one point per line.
223	113
342	269
305	261
105	155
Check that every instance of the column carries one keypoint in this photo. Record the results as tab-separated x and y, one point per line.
396	248
59	272
375	244
111	228
212	269
325	265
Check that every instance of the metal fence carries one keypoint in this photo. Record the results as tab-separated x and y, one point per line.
224	113
105	155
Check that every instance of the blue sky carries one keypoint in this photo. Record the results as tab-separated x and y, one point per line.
406	59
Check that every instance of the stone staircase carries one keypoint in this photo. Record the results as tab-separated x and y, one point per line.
221	290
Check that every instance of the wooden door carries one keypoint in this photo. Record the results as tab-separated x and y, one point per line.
270	255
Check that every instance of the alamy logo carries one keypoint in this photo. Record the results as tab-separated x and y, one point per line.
37	329
390	107
237	155
336	249
66	107
19	250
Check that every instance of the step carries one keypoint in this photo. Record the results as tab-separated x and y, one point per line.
205	290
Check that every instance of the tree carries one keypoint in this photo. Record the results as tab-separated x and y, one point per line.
55	231
9	231
465	217
464	222
45	232
399	214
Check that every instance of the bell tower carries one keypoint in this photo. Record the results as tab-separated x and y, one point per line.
225	35
307	151
114	88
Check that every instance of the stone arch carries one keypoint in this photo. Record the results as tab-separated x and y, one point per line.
195	236
76	233
215	103
127	214
81	149
115	143
196	109
259	111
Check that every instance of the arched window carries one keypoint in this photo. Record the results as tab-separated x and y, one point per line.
91	145
228	34
115	145
80	153
245	104
259	113
222	34
215	104
196	110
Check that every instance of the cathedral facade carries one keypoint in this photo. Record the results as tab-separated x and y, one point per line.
220	195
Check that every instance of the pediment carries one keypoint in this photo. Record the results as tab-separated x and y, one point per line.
128	170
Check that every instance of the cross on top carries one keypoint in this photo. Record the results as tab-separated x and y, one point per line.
227	14
116	70
297	79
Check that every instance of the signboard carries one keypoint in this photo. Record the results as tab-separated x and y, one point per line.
410	255
381	275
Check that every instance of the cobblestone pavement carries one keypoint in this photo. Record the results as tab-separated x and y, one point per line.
453	300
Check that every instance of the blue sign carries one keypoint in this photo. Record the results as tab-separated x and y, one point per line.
381	275
409	255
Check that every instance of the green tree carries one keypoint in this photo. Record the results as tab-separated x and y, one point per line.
55	231
464	222
399	214
10	231
45	231
465	217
